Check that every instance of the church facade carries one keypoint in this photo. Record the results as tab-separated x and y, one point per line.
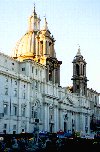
31	97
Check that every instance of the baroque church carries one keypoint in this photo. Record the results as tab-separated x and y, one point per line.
31	97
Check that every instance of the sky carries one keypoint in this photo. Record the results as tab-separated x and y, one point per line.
71	22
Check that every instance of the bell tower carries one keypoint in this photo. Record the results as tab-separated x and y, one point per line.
79	74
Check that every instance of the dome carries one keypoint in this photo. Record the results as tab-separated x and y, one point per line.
24	46
36	44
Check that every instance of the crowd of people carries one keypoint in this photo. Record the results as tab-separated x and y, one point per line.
50	143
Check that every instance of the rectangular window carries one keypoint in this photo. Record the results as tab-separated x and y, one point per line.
40	87
15	82
15	110
6	91
23	111
6	79
40	73
15	93
36	71
36	84
32	69
77	86
14	127
5	126
24	95
95	99
5	109
23	69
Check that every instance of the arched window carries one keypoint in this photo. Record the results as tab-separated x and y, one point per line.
35	110
77	69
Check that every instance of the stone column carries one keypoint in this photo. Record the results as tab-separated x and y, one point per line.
45	117
60	119
84	70
53	53
28	107
57	75
53	75
33	44
28	47
81	123
44	47
19	117
55	118
56	125
37	47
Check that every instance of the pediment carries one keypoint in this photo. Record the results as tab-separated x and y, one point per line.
68	101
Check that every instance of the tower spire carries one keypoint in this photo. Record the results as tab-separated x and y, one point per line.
45	27
34	10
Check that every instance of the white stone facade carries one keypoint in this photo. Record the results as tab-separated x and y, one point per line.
25	96
30	100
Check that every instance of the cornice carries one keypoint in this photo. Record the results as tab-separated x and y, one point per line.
14	75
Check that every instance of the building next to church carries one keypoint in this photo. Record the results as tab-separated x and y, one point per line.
31	97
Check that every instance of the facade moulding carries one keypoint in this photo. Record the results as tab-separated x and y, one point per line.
50	96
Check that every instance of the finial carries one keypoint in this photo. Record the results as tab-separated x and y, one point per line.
45	21
45	15
79	52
